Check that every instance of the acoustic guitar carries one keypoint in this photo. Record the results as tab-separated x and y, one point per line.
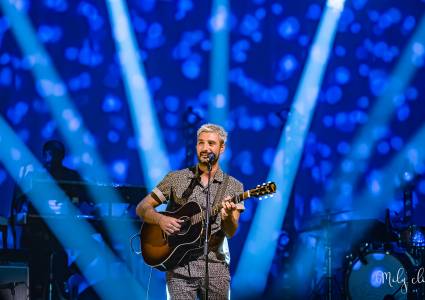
165	252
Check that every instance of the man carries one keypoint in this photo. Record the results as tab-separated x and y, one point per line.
44	249
191	184
53	155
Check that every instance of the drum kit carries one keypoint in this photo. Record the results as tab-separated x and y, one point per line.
383	270
386	263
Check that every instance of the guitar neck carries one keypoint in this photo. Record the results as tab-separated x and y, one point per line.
259	191
216	208
235	199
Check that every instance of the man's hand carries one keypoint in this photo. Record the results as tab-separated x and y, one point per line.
229	217
169	225
227	209
145	209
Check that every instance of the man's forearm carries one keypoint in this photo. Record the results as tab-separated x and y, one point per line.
230	225
148	213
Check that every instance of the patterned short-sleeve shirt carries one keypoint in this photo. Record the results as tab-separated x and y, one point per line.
182	186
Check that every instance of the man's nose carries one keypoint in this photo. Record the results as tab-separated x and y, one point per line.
205	148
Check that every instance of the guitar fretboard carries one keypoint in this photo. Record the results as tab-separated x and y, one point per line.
216	208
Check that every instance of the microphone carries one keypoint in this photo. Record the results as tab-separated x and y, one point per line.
211	158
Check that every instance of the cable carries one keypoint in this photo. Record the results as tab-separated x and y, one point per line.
149	284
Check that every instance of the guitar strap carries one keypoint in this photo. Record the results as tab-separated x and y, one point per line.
172	205
186	194
220	193
217	237
218	196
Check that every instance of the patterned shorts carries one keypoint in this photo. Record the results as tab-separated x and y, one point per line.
182	288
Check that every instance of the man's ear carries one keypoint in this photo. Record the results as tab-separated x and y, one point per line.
222	148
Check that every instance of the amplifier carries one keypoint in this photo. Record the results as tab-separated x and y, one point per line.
14	281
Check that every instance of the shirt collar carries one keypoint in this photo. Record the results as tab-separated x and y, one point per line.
195	172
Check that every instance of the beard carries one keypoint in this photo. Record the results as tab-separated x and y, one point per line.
203	158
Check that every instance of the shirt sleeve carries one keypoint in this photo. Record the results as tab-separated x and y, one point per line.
161	193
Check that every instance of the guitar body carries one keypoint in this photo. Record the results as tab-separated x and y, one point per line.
165	252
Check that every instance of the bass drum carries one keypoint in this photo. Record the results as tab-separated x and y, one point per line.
380	275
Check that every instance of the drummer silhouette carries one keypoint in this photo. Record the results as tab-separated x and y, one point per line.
48	261
53	156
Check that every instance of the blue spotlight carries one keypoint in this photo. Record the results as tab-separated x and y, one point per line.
150	143
70	123
74	234
256	259
152	151
219	97
337	5
384	184
380	114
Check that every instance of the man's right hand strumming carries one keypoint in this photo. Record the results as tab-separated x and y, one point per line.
169	225
146	210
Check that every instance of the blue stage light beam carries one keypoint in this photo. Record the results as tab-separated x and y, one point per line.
53	90
152	150
356	161
70	123
257	255
219	62
218	105
75	234
151	147
384	184
371	201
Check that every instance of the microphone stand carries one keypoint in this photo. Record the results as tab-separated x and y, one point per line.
207	225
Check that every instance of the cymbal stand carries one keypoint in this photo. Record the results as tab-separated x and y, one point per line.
328	278
328	260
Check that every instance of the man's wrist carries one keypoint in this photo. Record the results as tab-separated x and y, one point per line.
158	218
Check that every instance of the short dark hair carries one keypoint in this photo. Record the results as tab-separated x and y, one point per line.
55	146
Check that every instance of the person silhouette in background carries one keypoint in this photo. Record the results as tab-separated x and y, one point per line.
53	156
48	261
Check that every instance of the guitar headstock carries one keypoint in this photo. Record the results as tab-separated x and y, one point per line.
263	189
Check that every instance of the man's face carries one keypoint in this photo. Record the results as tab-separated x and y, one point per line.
208	142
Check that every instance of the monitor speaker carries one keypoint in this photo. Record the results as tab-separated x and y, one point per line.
14	281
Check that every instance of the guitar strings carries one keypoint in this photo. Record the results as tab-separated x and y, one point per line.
200	216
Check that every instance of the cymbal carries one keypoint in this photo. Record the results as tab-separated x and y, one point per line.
374	229
332	213
322	225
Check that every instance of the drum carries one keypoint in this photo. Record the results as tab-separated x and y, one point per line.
378	274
